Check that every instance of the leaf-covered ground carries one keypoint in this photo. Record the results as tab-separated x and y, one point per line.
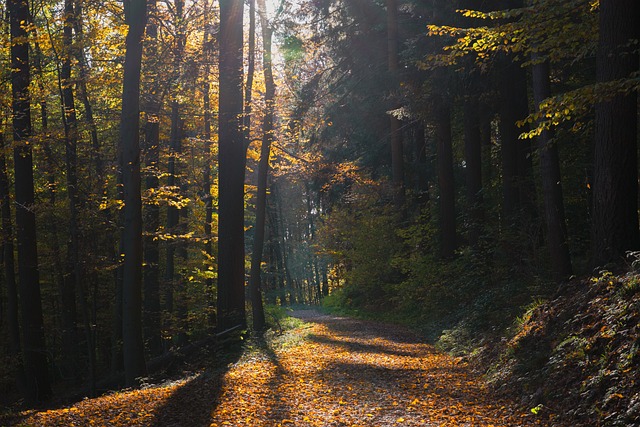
337	372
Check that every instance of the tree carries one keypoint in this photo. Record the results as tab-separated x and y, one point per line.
554	215
397	157
615	184
133	345
151	274
255	281
75	274
8	262
206	179
442	117
231	300
38	387
473	167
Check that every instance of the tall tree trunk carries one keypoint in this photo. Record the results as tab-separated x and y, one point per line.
251	66
615	185
448	237
473	160
263	171
151	275
510	143
8	262
397	156
38	386
206	185
551	182
133	345
231	299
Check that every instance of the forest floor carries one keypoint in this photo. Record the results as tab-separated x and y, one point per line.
328	371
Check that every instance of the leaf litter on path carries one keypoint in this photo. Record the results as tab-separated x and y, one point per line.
344	373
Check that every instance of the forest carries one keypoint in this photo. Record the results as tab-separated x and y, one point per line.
178	175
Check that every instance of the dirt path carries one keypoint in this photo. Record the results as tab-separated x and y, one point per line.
356	373
345	373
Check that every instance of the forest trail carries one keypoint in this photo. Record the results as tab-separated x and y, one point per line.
339	372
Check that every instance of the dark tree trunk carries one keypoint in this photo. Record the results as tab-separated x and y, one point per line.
397	156
448	242
133	344
615	184
473	160
231	299
206	185
38	386
263	172
509	132
8	262
551	182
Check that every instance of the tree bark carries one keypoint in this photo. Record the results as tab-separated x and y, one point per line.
615	184
38	386
397	154
551	182
8	263
133	345
255	281
448	243
151	275
231	299
473	160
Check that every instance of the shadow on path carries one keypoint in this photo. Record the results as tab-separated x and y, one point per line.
360	328
358	347
192	403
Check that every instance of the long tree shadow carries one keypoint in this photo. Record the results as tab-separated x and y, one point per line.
399	382
359	347
280	409
192	403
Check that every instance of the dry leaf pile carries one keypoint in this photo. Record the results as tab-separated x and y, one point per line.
345	373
